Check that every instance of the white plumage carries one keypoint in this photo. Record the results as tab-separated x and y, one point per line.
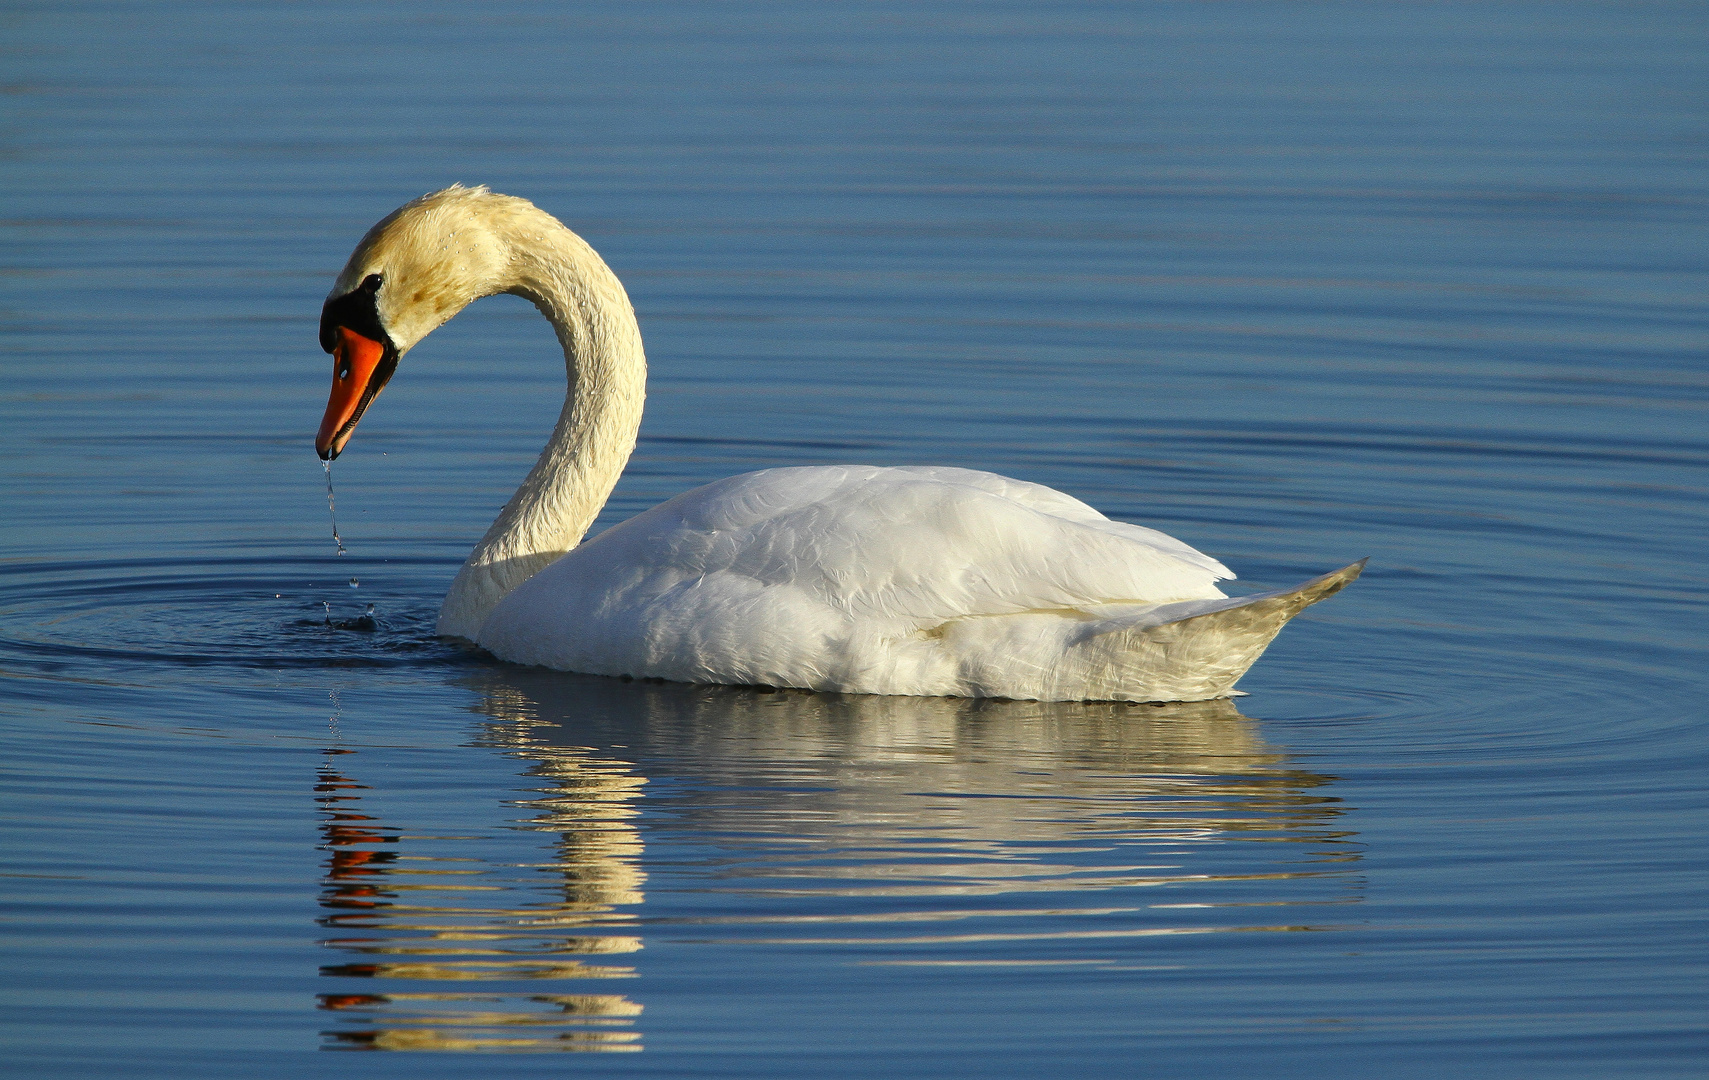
911	580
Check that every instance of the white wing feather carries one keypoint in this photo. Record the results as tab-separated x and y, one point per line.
839	577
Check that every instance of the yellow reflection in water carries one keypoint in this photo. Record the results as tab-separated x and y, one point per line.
845	798
404	916
927	832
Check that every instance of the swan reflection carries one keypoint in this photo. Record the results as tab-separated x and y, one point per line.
883	830
422	917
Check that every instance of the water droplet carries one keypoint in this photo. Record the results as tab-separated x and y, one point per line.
332	510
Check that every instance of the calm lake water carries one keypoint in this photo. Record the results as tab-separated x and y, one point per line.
1297	283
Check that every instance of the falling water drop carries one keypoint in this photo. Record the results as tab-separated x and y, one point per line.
332	510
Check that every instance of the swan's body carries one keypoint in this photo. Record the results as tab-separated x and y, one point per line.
850	578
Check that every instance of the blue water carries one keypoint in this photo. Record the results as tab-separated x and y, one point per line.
1297	283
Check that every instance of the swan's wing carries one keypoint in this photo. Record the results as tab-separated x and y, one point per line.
1050	501
906	547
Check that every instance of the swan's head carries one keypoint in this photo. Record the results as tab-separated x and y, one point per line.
423	263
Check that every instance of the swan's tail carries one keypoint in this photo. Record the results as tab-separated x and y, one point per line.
1196	650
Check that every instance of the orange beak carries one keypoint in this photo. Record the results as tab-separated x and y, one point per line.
356	381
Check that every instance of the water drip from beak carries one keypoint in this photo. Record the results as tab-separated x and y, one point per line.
332	511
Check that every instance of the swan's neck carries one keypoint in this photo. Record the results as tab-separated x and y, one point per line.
565	490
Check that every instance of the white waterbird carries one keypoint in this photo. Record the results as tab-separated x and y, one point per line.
916	580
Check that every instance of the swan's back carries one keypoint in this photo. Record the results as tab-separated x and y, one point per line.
854	578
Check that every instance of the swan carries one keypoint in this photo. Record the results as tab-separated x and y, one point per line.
854	578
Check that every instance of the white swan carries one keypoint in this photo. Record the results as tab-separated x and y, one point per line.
934	581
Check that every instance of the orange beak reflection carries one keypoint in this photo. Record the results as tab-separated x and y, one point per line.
356	380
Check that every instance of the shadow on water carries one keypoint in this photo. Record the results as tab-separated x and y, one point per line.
929	832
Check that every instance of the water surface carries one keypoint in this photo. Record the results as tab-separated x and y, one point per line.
1297	283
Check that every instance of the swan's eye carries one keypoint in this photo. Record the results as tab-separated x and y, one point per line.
371	283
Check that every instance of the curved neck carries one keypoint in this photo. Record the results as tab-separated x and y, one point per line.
571	285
